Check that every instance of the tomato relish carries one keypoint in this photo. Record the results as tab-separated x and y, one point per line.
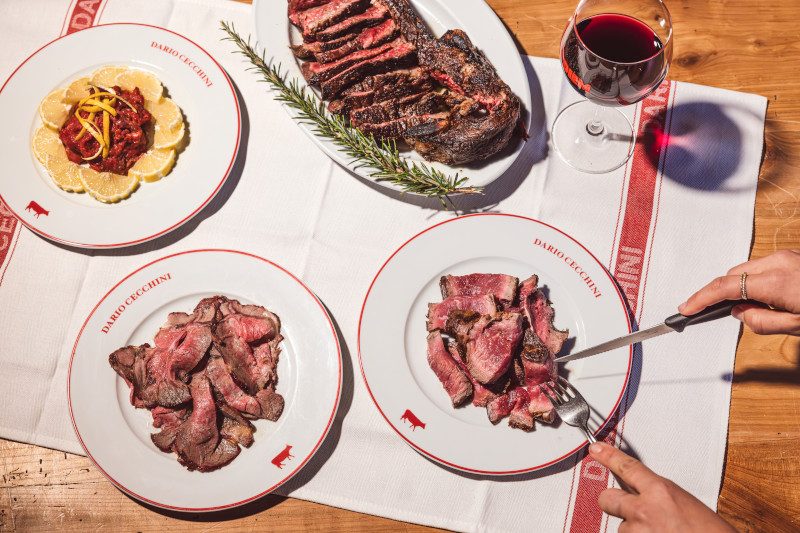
110	141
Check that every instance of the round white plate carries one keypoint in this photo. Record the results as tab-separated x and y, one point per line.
116	436
392	334
191	77
276	34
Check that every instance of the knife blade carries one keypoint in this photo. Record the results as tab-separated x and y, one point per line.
674	323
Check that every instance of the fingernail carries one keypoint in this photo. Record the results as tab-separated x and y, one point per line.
595	449
737	313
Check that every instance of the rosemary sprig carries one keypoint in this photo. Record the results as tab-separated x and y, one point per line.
382	158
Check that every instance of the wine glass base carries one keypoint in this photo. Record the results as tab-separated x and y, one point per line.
592	138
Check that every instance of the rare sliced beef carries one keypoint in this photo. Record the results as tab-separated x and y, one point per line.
368	38
386	110
315	19
381	88
316	73
439	313
225	386
388	60
352	25
540	316
502	286
235	427
167	416
297	6
271	403
405	125
481	395
491	345
455	382
310	50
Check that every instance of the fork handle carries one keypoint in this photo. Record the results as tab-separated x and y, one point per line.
589	435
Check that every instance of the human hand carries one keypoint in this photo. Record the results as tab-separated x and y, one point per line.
773	280
659	505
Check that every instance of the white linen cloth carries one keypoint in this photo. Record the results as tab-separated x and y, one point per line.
288	202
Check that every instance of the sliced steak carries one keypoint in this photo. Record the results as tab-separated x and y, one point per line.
385	111
388	86
540	406
368	38
455	382
491	345
520	416
130	364
271	403
323	16
372	16
310	50
481	395
540	316
316	73
235	427
537	361
501	286
166	416
297	6
244	367
388	60
439	313
234	396
397	128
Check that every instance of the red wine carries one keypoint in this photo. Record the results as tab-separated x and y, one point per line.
614	59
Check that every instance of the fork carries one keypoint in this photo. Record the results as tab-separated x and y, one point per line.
569	405
573	409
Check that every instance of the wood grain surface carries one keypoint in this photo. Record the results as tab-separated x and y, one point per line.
744	45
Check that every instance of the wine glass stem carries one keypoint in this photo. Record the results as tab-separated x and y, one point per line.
595	126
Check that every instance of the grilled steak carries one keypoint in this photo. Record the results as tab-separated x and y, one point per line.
207	372
503	287
500	335
453	379
473	113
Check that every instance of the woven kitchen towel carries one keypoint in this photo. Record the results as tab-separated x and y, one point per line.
678	214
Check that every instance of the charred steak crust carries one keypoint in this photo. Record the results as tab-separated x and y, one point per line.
206	375
466	113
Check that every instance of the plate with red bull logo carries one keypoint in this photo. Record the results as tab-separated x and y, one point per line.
460	328
165	384
117	134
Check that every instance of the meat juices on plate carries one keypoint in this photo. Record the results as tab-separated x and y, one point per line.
208	375
499	346
381	67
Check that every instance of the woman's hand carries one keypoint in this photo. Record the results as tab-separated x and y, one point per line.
659	505
773	280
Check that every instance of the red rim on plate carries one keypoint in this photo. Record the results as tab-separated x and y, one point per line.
290	474
465	468
193	213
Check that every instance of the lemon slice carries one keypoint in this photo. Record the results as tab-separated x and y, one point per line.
166	113
153	165
106	186
77	91
148	84
45	144
64	172
165	138
107	76
53	110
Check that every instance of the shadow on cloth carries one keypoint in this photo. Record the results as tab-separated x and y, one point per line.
703	144
306	473
213	206
534	150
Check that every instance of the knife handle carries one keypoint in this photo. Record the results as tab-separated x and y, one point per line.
713	312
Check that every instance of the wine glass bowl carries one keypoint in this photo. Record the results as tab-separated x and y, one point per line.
614	53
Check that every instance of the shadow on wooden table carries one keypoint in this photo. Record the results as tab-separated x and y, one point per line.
306	473
209	210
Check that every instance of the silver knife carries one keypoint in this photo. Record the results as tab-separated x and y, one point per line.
674	323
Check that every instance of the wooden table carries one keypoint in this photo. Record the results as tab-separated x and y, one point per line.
744	45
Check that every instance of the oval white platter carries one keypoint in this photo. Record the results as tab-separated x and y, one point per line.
276	34
116	436
392	340
191	77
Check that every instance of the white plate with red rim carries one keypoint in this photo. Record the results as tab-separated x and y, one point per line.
116	436
276	35
190	76
392	340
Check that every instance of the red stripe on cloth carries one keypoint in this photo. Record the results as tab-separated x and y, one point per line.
82	16
628	271
8	235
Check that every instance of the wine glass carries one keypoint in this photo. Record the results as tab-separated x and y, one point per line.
615	53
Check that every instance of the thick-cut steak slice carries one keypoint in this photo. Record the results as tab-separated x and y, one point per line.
385	111
310	50
455	382
540	316
520	416
393	129
271	403
372	16
235	427
439	313
315	73
537	361
481	395
248	371
318	18
296	6
234	396
491	346
388	60
382	87
167	416
368	38
502	286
